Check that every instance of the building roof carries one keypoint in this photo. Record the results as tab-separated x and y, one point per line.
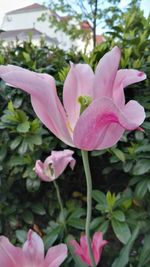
85	25
100	39
23	34
34	7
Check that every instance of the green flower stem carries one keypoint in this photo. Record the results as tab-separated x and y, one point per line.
89	202
60	203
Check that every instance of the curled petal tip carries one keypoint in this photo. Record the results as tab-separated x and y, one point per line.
140	129
141	74
118	49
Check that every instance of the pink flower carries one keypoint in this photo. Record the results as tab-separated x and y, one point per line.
82	250
32	253
100	121
54	165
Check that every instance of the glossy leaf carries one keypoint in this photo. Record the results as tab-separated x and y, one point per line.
121	230
123	258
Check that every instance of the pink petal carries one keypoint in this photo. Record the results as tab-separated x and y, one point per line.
44	99
8	68
83	243
55	256
102	124
57	161
10	256
77	247
85	254
98	126
60	161
105	73
79	82
81	250
124	78
39	169
33	249
97	245
133	115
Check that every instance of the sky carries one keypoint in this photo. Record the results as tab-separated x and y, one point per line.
9	5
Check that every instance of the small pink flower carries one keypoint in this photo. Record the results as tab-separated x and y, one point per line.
32	253
82	250
105	116
54	165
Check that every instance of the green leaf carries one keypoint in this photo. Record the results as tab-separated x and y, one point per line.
23	147
111	200
126	204
26	56
144	148
121	230
3	152
96	222
123	258
38	208
142	166
28	217
77	213
23	127
77	223
145	253
148	185
96	153
139	135
119	154
15	142
2	60
21	115
51	237
146	125
21	235
32	185
141	188
9	119
37	140
18	161
104	227
118	215
99	197
13	221
10	106
127	166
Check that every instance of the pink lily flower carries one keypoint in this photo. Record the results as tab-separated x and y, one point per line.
54	165
82	250
32	253
94	115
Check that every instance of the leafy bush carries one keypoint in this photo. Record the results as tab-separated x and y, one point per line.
120	174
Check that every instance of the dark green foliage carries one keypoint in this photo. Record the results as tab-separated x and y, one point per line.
121	175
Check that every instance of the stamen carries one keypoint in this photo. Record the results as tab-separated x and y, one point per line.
49	171
84	101
69	127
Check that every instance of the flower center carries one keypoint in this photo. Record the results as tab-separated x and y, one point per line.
84	102
49	171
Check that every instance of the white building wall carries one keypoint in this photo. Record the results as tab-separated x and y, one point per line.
29	20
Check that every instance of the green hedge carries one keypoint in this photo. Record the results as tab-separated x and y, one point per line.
121	175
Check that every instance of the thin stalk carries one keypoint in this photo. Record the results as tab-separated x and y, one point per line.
60	203
89	203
